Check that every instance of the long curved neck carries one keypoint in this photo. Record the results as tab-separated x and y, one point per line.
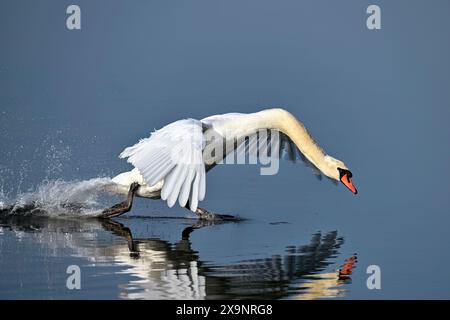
285	122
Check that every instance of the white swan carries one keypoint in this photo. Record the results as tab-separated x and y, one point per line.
172	163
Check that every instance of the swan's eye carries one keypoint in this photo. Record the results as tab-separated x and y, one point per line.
343	172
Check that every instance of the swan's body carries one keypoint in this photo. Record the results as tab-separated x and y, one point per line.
172	163
122	182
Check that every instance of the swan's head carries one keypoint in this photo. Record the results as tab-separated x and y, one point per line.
337	170
345	176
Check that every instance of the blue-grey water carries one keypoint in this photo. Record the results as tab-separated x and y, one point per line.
70	101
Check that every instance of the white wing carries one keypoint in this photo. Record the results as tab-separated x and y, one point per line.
173	153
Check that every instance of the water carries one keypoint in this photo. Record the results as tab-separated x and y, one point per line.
147	264
72	100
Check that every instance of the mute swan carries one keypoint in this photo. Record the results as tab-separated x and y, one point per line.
172	163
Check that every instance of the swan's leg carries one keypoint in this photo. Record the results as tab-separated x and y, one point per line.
123	207
206	215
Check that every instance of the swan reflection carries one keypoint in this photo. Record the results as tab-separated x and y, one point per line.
162	269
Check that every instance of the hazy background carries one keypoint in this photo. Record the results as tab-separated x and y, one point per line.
70	101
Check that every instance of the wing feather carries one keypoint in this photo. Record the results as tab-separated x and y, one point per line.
193	199
202	184
260	144
186	187
173	154
175	192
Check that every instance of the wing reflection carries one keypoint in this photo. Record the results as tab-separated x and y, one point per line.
173	270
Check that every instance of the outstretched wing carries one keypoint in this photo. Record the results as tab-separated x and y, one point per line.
289	150
264	143
173	153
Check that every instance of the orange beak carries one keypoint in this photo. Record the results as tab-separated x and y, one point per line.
348	183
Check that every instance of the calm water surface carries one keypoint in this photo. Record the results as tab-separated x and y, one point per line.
132	258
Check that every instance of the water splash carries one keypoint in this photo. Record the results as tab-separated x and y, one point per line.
21	181
23	167
5	176
56	155
65	198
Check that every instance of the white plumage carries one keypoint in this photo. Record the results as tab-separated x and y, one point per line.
173	154
171	162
